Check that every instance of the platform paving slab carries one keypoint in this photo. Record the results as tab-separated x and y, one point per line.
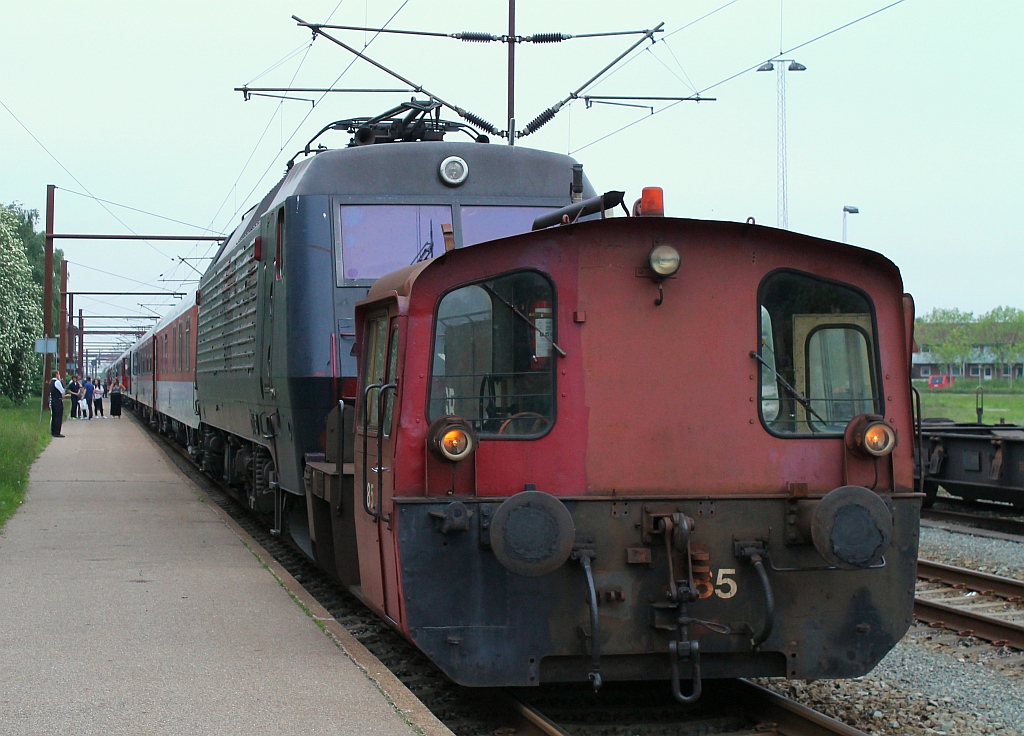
128	606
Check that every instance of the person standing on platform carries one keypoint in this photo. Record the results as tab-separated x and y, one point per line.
57	396
97	398
74	388
89	388
115	399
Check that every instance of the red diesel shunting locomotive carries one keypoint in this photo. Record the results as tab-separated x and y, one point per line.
693	471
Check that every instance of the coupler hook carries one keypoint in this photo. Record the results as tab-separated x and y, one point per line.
675	652
677	530
595	627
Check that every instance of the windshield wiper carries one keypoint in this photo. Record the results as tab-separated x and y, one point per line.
523	317
801	399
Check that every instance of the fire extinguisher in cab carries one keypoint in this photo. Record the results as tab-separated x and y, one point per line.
542	319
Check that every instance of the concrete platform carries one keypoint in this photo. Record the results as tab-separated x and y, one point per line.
130	606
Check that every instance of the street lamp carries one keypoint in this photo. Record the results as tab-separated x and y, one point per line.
848	210
782	220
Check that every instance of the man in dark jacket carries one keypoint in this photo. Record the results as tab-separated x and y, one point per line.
74	388
89	388
57	396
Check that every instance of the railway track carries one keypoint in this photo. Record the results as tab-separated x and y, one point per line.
970	602
1008	525
727	707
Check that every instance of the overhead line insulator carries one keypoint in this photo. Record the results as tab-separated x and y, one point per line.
476	37
547	38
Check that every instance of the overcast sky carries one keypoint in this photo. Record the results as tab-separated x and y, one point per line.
913	115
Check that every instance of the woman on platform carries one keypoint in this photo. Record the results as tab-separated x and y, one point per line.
115	399
97	398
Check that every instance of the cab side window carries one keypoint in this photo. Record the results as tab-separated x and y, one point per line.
494	361
373	362
818	355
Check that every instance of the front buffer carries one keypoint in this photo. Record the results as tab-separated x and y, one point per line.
674	589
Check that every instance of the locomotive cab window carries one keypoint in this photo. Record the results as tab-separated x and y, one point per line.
493	361
818	355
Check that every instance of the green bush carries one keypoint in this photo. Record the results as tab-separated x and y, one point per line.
22	437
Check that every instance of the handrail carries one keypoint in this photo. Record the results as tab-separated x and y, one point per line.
366	429
380	448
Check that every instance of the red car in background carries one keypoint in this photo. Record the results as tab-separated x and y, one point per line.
941	381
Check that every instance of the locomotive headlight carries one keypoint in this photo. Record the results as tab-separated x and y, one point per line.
451	438
879	439
455	443
664	261
454	171
870	435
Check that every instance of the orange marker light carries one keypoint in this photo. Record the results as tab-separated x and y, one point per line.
652	202
879	440
454	442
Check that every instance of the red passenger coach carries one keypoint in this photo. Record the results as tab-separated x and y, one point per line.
161	379
636	449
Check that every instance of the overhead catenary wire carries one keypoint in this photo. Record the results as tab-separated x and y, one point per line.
737	74
115	275
136	209
76	179
305	117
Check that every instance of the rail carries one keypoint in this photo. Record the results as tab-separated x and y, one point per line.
1001	524
765	711
984	605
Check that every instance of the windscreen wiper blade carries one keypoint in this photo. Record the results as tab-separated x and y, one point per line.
523	317
801	399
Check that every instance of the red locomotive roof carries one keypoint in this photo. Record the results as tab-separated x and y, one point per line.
653	399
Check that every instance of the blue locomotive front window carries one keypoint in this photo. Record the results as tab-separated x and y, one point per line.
480	223
493	359
377	239
817	353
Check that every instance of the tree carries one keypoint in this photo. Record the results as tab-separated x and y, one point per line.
949	333
21	314
34	244
956	346
1002	330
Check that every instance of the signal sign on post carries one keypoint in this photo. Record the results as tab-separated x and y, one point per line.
46	345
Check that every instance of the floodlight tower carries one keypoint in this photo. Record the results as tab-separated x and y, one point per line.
784	65
848	209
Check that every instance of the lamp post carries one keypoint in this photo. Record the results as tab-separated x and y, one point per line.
848	210
782	220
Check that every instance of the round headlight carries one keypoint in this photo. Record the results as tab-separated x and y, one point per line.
454	171
455	443
451	438
879	439
664	261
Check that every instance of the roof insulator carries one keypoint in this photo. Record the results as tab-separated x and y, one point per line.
542	119
478	121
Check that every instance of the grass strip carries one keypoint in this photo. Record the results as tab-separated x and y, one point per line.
22	438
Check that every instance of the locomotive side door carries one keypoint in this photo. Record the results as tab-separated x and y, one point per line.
376	427
270	273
